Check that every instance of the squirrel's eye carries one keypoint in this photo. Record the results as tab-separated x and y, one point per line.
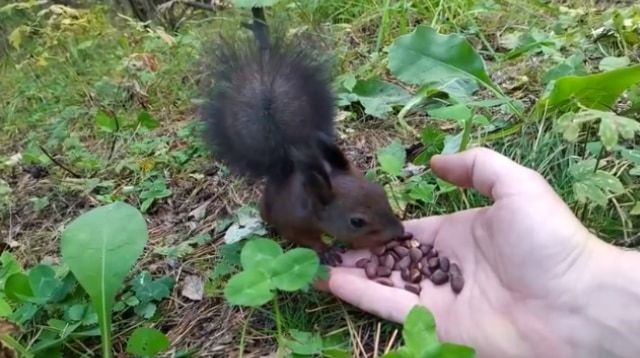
357	223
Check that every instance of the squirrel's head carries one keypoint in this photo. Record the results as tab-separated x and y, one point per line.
349	207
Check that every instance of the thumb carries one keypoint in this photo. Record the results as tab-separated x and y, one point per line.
487	171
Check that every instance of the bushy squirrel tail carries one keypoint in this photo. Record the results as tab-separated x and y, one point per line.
271	102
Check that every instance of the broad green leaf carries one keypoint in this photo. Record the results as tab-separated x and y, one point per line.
229	260
451	350
611	126
424	56
636	209
24	312
392	158
8	266
421	190
582	168
259	254
76	312
145	310
147	342
249	288
452	143
612	63
100	247
147	289
147	121
607	182
457	112
306	343
608	133
632	155
419	331
106	122
295	269
597	91
378	96
586	191
17	288
574	65
568	126
5	308
43	282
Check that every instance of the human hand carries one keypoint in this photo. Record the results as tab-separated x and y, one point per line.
523	260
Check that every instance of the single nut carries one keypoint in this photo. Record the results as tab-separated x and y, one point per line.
425	248
395	255
388	261
383	271
455	269
378	250
457	282
433	263
370	269
391	244
414	243
425	272
415	254
403	263
405	274
362	262
444	264
401	250
439	277
384	281
415	276
413	288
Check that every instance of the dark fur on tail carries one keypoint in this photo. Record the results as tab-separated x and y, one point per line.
271	102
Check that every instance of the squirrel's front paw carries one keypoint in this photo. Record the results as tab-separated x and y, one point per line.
331	256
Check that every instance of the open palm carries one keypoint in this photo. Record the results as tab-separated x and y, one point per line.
517	256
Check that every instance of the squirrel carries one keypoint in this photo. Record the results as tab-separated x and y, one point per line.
270	116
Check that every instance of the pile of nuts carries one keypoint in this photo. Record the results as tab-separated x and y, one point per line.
415	262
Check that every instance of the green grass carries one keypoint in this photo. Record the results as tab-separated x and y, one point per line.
62	75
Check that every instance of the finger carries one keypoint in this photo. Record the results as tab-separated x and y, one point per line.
423	230
489	172
353	287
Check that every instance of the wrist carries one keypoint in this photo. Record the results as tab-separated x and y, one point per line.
603	317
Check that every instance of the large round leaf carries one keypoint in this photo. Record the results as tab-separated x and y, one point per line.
426	56
295	269
260	254
100	247
17	288
249	288
147	342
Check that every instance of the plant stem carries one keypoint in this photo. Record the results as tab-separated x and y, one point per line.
383	26
243	334
276	309
466	133
105	335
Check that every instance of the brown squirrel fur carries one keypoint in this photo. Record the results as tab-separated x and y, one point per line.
271	116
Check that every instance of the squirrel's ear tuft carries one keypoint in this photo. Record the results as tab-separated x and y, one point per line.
316	179
332	154
318	185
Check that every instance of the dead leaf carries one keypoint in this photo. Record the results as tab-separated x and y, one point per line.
193	288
